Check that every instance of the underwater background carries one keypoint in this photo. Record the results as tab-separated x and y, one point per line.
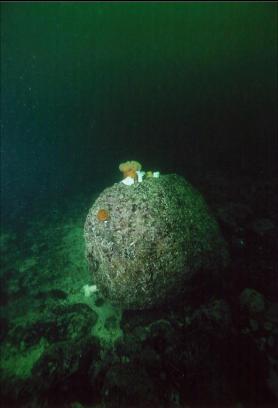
185	88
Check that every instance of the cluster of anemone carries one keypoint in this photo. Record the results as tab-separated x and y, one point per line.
132	172
130	169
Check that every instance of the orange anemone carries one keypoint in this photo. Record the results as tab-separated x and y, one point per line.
129	168
102	215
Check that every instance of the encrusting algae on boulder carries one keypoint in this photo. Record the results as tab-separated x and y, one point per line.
159	233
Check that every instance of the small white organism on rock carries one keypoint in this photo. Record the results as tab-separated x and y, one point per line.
89	290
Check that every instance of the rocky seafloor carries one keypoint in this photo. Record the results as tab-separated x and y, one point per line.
64	346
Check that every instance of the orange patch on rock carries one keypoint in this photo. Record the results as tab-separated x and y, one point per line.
102	215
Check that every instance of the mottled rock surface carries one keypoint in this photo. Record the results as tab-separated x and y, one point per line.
157	235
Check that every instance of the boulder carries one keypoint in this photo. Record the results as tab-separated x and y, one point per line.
146	241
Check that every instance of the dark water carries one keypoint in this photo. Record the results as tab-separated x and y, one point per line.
186	88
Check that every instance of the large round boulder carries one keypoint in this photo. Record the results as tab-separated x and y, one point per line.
144	242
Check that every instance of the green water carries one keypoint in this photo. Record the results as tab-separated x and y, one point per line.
183	86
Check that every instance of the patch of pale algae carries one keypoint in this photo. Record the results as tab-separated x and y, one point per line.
107	334
15	362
